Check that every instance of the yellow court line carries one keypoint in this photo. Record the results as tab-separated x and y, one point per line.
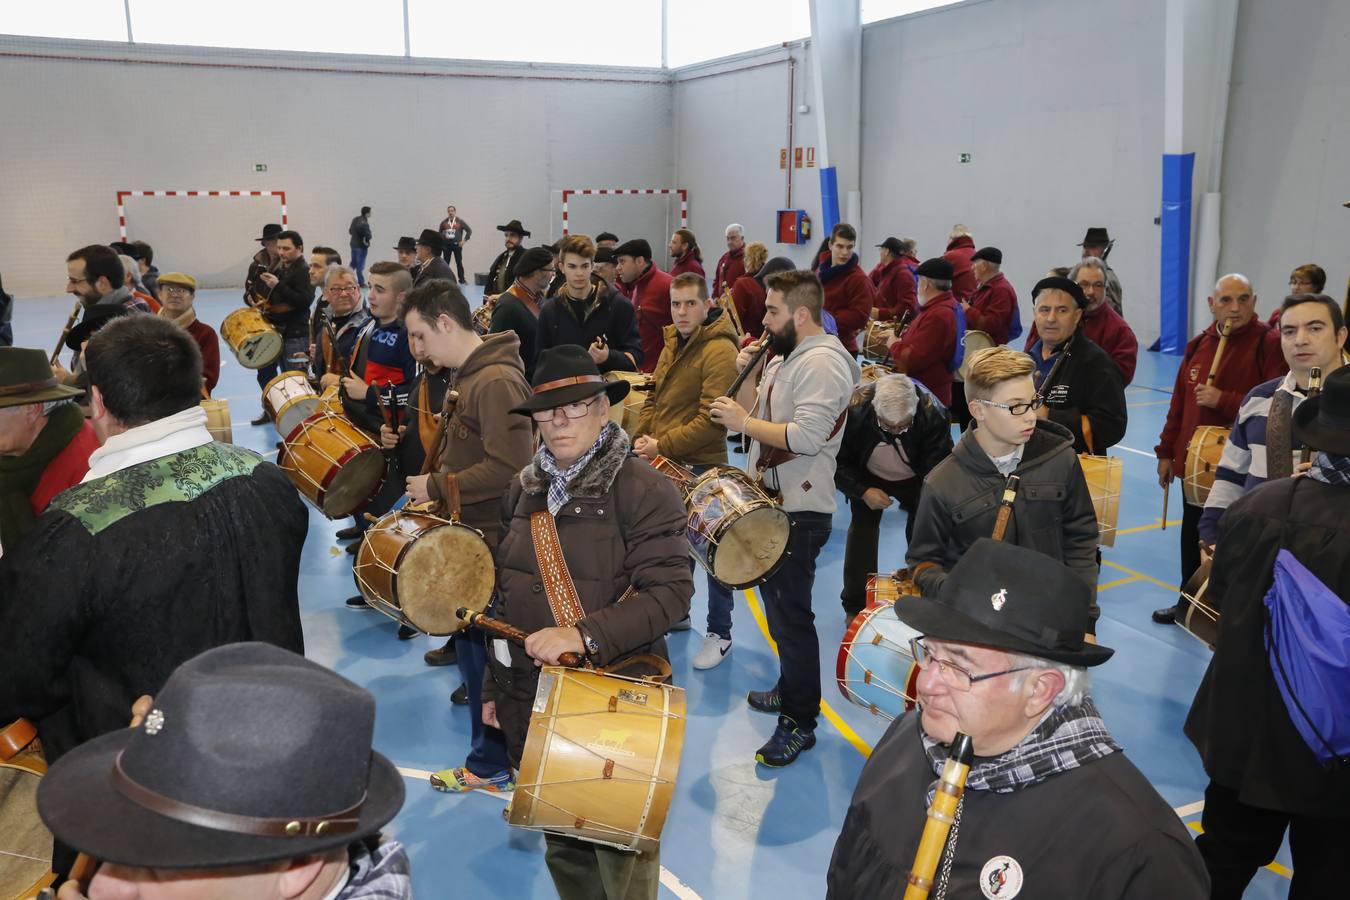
1278	868
1154	527
828	711
1117	583
1149	403
1140	575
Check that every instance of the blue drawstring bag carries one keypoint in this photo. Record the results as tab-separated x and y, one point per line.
960	356
1015	329
1307	638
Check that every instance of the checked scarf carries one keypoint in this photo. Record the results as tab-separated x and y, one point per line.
1330	468
559	479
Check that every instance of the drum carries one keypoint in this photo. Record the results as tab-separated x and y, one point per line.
334	464
25	843
735	530
330	401
218	420
975	342
1194	612
289	400
417	568
601	757
1202	461
627	413
255	343
684	479
1103	481
876	340
888	589
875	668
482	317
873	372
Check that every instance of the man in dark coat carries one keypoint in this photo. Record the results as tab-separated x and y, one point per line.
358	232
1085	395
1052	809
517	308
1263	778
617	527
590	315
502	271
429	262
456	233
895	434
285	297
1101	323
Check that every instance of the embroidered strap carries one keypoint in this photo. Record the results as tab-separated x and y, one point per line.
1279	436
558	586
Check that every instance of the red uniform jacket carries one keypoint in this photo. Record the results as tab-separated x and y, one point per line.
749	296
650	295
894	284
206	339
991	308
1253	355
730	267
849	297
928	347
66	468
1105	328
687	263
959	252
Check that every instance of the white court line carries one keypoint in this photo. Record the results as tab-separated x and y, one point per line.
1132	450
1189	809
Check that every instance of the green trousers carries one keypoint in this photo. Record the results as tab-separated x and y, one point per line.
585	871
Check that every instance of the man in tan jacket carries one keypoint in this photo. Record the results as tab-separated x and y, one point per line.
484	447
696	366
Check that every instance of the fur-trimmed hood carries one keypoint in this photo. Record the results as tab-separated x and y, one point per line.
596	478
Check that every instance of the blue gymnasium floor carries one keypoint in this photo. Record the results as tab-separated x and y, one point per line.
735	830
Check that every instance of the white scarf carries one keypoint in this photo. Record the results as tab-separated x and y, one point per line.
162	437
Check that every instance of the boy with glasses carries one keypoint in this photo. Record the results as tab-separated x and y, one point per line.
1052	512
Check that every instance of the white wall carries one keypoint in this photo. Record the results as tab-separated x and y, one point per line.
404	137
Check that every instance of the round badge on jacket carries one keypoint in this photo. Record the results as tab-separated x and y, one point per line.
1001	878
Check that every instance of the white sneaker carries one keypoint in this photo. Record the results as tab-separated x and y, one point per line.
713	651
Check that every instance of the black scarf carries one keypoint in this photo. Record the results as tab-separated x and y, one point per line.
19	475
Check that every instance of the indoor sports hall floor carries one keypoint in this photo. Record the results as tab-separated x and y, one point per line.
735	829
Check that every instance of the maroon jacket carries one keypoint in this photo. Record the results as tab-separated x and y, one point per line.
991	308
849	297
209	344
1105	328
687	263
650	295
66	468
928	347
895	288
730	267
749	296
959	252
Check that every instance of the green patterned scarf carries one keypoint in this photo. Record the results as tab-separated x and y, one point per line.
19	475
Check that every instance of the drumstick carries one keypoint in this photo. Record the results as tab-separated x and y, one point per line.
513	634
1167	489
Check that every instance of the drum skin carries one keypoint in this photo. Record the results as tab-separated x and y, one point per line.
875	669
1102	474
25	842
976	341
627	413
218	420
735	530
254	342
289	400
334	465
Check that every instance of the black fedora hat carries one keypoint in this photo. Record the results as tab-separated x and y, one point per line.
1010	598
430	237
270	232
1323	422
1058	283
406	243
251	754
515	226
95	317
1096	237
567	374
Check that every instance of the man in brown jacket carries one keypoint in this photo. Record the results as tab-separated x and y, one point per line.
483	449
613	527
697	365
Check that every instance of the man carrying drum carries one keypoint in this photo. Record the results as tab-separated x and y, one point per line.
696	366
284	295
606	526
1209	390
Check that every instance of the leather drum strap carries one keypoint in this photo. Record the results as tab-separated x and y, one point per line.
563	600
14	737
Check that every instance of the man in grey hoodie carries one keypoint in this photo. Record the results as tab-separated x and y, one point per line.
795	432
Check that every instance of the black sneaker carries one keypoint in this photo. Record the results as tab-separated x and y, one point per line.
407	632
461	695
1165	616
788	743
442	656
353	548
350	533
358	602
769	701
263	419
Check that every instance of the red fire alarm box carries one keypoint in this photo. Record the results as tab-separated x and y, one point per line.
794	226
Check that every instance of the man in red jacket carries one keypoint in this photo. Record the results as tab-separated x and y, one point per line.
685	255
960	249
1252	354
925	352
893	279
732	264
1101	323
991	309
649	290
176	293
849	295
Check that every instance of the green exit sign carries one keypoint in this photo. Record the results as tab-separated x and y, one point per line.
965	158
262	167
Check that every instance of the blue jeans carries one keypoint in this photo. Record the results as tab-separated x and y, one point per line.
294	355
487	746
720	601
792	622
359	264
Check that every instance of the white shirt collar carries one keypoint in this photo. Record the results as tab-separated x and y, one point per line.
162	437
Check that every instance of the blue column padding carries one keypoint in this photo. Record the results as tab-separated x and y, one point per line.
829	198
1174	297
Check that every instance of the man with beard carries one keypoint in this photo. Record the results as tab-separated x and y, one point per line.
501	273
794	434
176	295
648	288
684	254
590	315
429	262
849	295
1097	244
732	264
285	302
95	275
263	261
517	308
320	258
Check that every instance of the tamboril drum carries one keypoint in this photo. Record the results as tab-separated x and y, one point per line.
334	464
735	530
218	420
1195	612
875	668
254	342
289	399
627	413
25	842
1103	480
887	589
976	341
1202	461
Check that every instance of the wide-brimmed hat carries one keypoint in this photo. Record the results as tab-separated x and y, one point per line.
514	225
95	317
270	232
406	243
182	278
1010	598
251	754
1095	237
567	374
26	377
1059	283
1323	422
430	237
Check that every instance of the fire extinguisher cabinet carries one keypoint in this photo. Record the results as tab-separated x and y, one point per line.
794	226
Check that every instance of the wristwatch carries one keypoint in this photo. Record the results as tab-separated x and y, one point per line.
592	648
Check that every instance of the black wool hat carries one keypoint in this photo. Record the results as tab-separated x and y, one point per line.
514	226
406	243
1067	285
937	268
567	374
604	255
1323	422
635	247
1013	599
251	754
1096	237
893	245
95	317
606	236
125	248
989	254
270	232
430	237
532	260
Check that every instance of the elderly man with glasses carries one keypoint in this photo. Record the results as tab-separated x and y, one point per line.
177	292
1051	808
1101	323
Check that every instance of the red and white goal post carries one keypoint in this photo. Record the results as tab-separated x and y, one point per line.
123	195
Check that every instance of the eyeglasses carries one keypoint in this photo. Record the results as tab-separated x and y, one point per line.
1295	282
1092	285
1017	409
175	289
570	410
70	280
952	675
345	289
